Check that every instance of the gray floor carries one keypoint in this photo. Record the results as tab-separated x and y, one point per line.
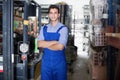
78	70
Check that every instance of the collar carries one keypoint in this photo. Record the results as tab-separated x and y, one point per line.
57	25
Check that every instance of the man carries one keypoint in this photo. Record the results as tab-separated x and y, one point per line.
53	38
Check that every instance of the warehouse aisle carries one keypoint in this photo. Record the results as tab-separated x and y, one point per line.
79	69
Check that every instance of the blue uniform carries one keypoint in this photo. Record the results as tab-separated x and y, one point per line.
54	65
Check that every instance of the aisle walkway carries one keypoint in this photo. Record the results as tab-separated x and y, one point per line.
79	69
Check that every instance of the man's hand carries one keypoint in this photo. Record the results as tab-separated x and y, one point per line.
56	47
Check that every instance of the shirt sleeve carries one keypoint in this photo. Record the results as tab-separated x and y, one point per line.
63	36
40	36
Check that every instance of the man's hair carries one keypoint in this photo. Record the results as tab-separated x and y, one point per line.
52	7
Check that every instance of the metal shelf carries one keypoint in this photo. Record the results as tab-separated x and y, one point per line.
114	42
113	39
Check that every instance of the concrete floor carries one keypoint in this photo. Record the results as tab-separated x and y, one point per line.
79	70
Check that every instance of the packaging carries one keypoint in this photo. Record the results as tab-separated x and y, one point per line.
99	39
33	26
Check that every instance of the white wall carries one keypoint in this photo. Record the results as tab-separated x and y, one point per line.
77	5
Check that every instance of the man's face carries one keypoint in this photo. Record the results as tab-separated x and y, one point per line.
53	14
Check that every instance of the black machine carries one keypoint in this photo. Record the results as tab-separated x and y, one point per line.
20	21
18	36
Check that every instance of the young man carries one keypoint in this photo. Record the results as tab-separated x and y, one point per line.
53	38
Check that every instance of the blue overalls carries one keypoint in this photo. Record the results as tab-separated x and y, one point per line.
53	61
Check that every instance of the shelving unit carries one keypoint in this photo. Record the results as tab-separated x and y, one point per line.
113	39
11	65
99	40
113	36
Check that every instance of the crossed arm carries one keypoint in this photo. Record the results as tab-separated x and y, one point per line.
53	45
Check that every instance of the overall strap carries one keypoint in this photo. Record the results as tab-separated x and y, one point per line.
60	28
44	30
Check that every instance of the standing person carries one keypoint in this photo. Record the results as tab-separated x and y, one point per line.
53	38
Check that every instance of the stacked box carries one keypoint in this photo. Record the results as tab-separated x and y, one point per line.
99	58
99	39
99	72
95	58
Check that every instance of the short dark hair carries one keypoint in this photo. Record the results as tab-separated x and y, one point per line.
52	7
